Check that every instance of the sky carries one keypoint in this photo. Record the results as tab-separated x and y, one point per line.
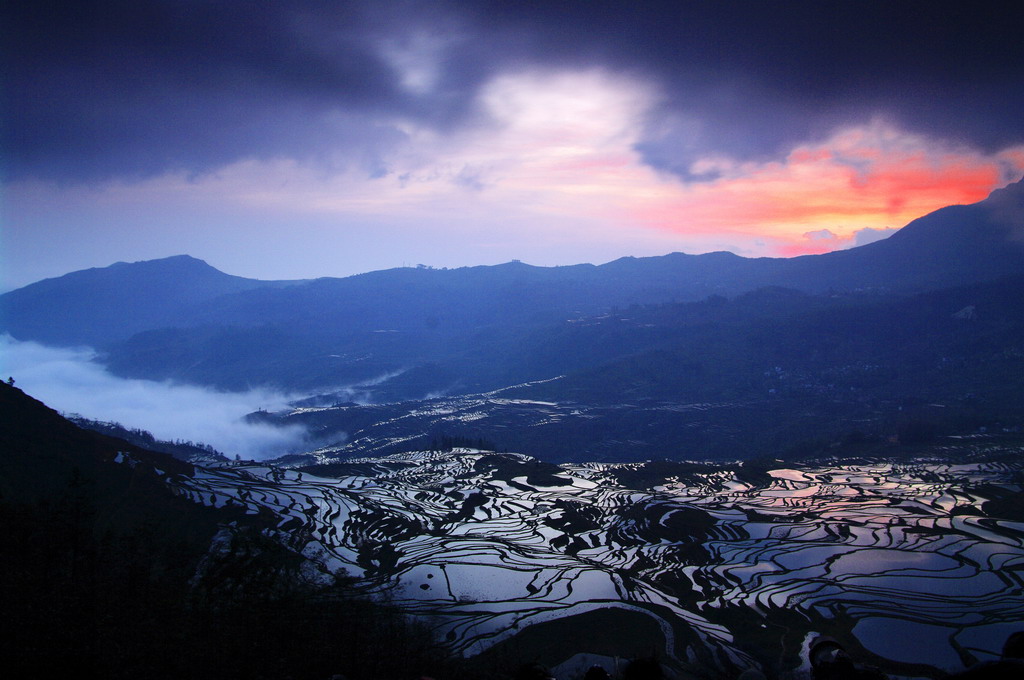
289	139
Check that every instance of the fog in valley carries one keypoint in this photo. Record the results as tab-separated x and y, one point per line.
70	381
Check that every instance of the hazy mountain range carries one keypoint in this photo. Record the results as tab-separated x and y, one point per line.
455	330
921	330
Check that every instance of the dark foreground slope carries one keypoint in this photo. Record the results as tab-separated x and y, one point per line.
714	568
107	573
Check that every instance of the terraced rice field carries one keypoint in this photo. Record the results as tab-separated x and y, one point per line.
906	563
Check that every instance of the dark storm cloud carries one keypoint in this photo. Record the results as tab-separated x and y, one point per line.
100	88
134	88
748	78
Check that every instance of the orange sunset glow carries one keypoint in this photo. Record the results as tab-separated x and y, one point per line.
450	140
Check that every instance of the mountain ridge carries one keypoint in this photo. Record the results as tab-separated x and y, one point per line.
928	226
181	319
103	303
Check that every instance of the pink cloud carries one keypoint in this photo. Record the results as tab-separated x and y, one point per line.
870	177
550	173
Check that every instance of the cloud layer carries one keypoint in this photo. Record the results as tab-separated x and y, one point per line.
200	85
550	172
305	138
67	380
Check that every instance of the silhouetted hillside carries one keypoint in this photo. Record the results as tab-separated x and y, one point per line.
40	451
192	452
107	573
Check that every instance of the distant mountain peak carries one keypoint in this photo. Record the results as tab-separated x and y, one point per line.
106	304
1013	189
170	261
